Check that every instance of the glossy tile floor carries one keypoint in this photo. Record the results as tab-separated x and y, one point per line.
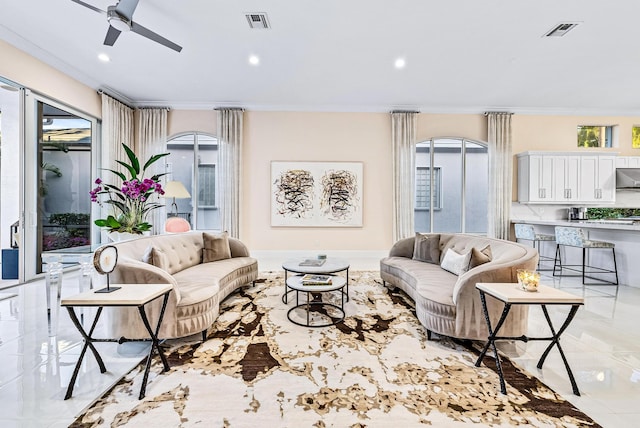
602	345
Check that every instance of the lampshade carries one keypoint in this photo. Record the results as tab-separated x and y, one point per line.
175	189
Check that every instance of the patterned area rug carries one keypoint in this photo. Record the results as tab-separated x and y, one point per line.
375	369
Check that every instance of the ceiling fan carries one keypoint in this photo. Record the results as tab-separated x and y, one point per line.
120	18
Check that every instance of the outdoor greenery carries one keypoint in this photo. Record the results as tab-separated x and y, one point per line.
589	136
64	219
68	234
598	213
635	143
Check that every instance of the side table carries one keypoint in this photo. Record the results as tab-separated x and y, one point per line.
136	295
511	294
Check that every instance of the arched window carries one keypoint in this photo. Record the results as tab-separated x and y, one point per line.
193	162
451	186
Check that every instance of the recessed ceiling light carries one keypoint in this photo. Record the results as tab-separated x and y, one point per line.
400	63
254	60
104	57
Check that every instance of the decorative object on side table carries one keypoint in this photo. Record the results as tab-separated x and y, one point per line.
312	262
131	202
528	280
311	279
105	260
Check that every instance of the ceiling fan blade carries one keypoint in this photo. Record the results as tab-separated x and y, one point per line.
87	5
126	8
137	28
112	36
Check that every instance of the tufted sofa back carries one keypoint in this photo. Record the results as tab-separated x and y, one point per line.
182	250
501	250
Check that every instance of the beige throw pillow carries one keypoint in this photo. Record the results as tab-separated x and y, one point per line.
427	248
455	262
480	257
156	257
216	247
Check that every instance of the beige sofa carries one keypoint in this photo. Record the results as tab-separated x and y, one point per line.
199	287
449	304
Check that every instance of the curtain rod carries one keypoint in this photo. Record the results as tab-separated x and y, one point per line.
487	113
405	111
149	108
119	99
229	108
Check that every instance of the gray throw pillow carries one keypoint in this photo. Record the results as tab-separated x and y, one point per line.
427	248
216	247
156	257
480	257
455	262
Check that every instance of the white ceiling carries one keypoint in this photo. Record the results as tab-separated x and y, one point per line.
464	56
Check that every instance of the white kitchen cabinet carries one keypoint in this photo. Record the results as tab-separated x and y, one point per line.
535	179
566	177
597	179
628	162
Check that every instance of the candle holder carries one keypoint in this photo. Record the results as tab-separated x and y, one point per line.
528	280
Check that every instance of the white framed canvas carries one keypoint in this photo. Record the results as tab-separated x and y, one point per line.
316	194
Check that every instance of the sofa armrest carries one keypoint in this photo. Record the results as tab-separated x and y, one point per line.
131	271
238	249
403	248
467	298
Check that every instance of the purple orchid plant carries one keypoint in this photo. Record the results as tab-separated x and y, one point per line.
131	202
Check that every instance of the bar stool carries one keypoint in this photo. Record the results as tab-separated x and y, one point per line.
526	232
576	237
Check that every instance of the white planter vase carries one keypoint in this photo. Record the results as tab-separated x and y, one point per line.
126	236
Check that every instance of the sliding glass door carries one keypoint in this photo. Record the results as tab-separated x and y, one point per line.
58	176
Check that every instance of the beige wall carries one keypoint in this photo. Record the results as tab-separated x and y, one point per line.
363	137
44	79
282	136
304	136
179	121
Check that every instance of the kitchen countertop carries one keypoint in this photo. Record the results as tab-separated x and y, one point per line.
615	224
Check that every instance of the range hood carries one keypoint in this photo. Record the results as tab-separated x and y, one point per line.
628	178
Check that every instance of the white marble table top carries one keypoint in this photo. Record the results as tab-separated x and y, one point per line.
512	293
128	295
331	265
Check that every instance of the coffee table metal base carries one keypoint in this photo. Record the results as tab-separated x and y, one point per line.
317	307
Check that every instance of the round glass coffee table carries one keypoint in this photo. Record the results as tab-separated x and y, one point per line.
331	265
318	313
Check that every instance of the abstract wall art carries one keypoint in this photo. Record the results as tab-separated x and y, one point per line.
316	194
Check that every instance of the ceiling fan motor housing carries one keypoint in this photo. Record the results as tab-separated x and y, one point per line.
118	21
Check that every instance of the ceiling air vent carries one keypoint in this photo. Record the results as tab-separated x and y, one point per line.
561	29
258	21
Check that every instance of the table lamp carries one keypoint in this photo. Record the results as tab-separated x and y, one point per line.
175	189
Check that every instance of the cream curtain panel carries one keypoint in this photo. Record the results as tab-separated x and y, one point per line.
230	169
403	143
151	133
500	174
117	128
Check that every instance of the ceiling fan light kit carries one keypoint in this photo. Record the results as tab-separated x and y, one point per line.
120	19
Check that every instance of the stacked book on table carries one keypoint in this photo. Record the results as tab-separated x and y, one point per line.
315	279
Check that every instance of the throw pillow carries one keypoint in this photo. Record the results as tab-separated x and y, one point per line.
427	248
216	247
455	262
156	257
480	257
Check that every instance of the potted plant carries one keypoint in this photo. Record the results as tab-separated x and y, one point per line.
131	201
